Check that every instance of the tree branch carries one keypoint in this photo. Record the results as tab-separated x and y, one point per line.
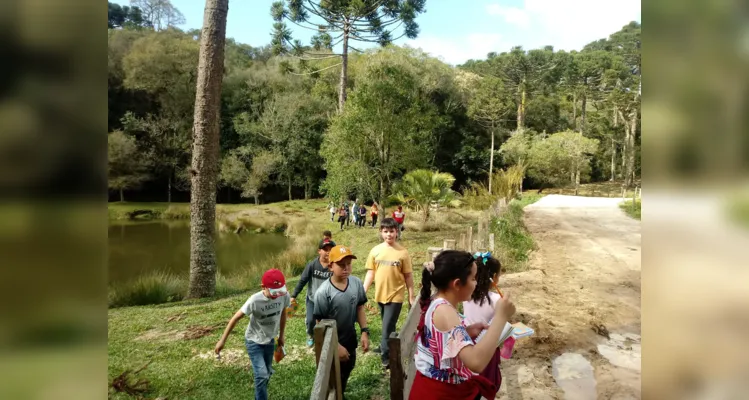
314	72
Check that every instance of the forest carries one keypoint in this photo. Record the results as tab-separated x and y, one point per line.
565	117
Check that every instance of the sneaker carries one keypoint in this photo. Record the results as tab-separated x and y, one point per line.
377	350
310	342
386	366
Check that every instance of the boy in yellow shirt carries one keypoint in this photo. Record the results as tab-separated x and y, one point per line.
389	267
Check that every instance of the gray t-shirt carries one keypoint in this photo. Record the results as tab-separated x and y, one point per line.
341	305
265	316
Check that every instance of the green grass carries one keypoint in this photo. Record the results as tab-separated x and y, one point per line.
634	210
513	240
738	211
141	334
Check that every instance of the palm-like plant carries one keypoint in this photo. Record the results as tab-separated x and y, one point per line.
420	188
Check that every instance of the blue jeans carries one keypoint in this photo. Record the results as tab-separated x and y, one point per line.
310	320
261	357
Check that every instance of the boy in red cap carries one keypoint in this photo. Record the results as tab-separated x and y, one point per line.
267	319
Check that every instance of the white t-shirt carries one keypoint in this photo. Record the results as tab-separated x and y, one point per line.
484	313
265	316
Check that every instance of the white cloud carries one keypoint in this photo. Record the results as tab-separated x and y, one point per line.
511	15
458	49
568	24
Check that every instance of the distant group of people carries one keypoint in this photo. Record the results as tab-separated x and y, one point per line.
451	364
357	212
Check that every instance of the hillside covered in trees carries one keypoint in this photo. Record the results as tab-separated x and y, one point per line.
566	116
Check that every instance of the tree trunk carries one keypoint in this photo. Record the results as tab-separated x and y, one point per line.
122	196
306	189
204	169
257	199
631	130
491	162
169	188
344	70
521	107
289	187
382	192
613	159
582	114
574	110
577	180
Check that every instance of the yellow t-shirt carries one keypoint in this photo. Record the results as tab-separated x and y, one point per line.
389	263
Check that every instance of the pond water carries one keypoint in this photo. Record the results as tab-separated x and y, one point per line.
140	248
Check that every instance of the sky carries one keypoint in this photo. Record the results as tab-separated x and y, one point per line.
457	30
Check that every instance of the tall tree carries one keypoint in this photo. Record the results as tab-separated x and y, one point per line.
489	104
386	130
159	14
341	21
127	165
204	168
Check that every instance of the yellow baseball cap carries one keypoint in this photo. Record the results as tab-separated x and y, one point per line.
340	252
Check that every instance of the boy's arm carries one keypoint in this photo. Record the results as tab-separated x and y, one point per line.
306	275
370	266
408	276
361	317
281	339
229	327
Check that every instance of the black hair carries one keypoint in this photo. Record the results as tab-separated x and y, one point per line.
388	223
448	266
327	233
484	274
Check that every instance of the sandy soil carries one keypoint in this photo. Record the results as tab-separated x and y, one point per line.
582	295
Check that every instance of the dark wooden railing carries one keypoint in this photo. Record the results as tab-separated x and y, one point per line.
402	348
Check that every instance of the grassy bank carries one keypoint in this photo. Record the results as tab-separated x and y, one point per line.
633	209
513	241
176	339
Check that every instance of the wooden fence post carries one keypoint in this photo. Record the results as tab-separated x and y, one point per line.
491	242
396	367
462	241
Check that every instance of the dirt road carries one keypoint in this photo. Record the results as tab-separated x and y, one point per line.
582	296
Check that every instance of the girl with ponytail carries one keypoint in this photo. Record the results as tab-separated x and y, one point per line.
447	358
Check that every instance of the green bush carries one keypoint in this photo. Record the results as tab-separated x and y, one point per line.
634	210
513	239
155	288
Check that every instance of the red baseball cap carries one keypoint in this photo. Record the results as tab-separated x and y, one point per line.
274	280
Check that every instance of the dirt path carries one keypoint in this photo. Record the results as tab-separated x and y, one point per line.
581	295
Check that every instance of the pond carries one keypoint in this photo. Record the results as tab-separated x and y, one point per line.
140	248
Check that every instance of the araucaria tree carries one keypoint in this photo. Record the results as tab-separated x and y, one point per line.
205	169
339	22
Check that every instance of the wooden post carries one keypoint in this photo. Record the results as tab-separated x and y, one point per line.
469	239
475	246
491	242
396	367
319	336
462	241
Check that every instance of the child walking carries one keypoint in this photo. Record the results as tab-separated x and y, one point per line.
267	319
400	217
447	356
362	215
480	308
342	298
374	211
389	267
342	215
315	273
